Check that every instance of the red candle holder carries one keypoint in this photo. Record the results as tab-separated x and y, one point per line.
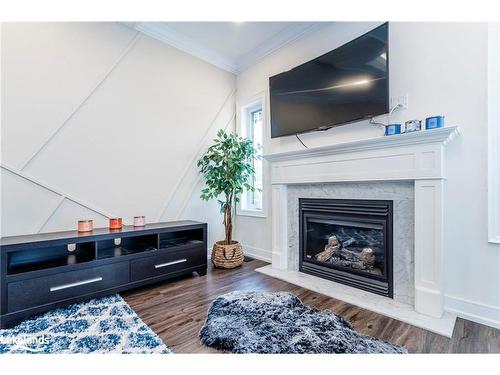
115	223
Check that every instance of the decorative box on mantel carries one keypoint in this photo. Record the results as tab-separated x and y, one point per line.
417	157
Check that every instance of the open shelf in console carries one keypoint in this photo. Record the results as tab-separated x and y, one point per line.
50	256
127	245
181	238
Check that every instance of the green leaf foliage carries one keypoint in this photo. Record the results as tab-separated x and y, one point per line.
227	166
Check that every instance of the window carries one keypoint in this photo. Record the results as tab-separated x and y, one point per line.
252	126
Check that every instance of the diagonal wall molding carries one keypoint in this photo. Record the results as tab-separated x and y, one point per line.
101	80
57	191
197	179
174	205
65	203
39	227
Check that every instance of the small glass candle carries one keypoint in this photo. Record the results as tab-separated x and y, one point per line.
139	221
115	223
85	225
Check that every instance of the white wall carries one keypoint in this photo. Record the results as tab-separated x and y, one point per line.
99	120
443	69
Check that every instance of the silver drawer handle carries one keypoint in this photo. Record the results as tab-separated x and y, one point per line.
170	263
78	283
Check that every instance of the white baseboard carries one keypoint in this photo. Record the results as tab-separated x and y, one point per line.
256	253
251	251
474	311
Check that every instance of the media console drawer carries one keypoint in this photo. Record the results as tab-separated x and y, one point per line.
41	290
168	262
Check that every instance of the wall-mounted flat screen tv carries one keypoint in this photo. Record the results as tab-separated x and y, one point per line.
348	84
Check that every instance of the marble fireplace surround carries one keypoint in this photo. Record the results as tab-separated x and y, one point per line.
407	163
400	192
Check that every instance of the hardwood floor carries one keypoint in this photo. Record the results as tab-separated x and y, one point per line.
176	310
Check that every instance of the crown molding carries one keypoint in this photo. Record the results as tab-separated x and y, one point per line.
165	34
285	37
162	32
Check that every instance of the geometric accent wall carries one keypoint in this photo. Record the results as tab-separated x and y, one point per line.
99	120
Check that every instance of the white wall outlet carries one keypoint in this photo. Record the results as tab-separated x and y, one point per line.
402	100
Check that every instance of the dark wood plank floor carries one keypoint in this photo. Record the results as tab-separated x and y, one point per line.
176	310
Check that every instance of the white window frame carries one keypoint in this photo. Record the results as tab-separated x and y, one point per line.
243	117
494	132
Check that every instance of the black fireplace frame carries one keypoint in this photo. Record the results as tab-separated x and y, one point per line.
361	210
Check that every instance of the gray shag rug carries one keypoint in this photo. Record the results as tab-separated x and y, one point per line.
265	322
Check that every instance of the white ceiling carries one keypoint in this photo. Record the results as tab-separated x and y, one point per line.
232	46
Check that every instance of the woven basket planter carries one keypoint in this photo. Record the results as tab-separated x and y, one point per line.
227	256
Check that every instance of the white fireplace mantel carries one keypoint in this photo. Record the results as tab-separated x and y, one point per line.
412	156
418	157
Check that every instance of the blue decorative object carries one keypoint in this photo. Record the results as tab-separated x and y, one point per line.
434	122
101	325
393	129
279	323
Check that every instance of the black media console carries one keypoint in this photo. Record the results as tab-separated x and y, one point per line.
43	271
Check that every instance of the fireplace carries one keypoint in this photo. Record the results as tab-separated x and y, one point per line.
348	241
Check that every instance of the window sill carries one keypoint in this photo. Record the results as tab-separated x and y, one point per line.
251	213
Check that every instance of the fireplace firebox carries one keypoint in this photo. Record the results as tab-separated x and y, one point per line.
348	241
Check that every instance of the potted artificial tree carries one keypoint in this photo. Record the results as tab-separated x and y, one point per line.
227	167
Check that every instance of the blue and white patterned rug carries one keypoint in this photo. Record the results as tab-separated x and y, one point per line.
101	325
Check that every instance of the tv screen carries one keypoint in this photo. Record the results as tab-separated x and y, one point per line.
348	84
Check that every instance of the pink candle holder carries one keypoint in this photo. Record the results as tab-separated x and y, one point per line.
139	221
85	226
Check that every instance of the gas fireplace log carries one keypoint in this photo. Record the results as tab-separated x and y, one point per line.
359	265
332	241
368	257
332	246
327	253
364	260
350	255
